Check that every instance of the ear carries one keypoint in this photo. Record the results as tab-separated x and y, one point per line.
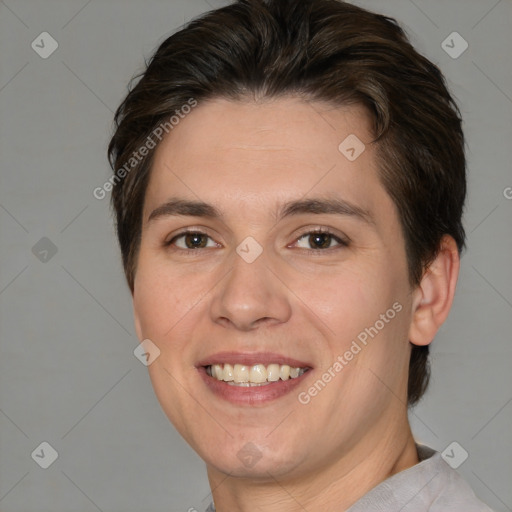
433	298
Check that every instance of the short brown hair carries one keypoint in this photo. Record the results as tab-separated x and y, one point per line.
324	50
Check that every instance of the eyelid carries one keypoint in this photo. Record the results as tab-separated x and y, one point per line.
317	228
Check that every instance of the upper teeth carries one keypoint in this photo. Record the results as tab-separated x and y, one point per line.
255	374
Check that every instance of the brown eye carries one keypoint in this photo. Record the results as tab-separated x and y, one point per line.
191	240
195	240
320	240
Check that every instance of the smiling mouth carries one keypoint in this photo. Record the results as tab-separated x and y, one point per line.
242	375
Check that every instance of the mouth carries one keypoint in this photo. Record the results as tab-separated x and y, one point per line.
252	379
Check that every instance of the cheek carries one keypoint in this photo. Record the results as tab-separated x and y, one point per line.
349	299
169	304
157	299
367	308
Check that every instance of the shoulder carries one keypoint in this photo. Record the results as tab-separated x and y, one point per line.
454	493
429	486
447	490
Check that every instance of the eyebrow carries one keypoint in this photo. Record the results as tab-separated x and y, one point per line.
332	206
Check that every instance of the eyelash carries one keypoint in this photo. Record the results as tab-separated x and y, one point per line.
343	243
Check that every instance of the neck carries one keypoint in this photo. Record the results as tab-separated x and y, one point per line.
334	487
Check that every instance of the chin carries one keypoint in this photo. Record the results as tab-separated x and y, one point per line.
245	459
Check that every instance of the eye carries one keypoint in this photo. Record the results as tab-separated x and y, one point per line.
320	239
191	240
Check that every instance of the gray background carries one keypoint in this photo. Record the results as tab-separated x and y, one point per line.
68	375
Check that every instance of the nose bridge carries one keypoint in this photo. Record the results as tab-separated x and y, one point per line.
250	293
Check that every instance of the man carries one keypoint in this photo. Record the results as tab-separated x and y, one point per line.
289	185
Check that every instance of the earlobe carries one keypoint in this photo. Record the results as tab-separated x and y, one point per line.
434	295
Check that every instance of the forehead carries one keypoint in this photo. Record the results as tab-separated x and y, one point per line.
253	155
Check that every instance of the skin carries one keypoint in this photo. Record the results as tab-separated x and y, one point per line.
247	159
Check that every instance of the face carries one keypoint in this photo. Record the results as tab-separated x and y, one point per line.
263	248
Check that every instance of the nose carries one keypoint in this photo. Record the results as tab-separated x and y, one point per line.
250	296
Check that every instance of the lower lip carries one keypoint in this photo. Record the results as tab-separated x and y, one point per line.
252	395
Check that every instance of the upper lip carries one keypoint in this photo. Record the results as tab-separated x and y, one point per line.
252	358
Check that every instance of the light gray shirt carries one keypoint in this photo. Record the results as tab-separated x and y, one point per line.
429	486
